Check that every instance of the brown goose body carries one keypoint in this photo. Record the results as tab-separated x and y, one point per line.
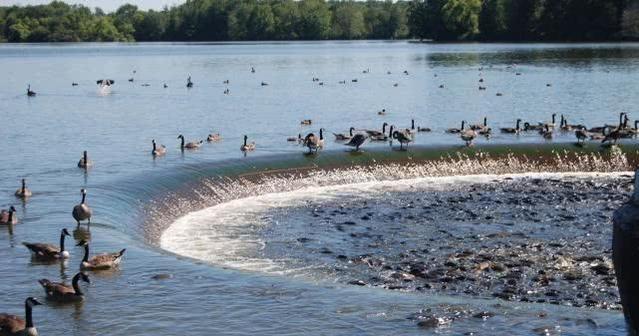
105	261
61	292
49	251
8	217
82	211
23	192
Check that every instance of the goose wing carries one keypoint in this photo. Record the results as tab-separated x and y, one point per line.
11	324
42	249
106	258
56	288
356	140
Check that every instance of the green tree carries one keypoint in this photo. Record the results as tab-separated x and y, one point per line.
315	20
348	21
461	18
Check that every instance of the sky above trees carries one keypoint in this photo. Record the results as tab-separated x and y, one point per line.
106	5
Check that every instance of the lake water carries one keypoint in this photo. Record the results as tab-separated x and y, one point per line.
237	279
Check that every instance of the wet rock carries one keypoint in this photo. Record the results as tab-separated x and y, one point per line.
357	283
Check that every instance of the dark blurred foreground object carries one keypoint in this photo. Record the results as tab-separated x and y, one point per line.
625	254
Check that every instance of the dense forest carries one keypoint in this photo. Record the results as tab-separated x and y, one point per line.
233	20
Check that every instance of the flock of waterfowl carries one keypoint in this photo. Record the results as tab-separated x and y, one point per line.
356	138
59	292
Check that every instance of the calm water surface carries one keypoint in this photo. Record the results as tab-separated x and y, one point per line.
44	136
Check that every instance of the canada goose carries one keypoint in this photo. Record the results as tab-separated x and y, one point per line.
481	80
581	135
84	161
11	325
478	127
252	70
423	129
468	136
636	129
499	94
29	92
457	130
82	211
189	83
342	82
49	251
357	141
227	91
482	88
295	139
313	142
306	122
441	86
388	72
189	145
213	137
226	81
395	84
344	137
366	71
375	133
382	112
74	84
563	125
510	130
611	137
406	72
23	192
165	86
354	80
264	83
247	147
546	133
8	217
551	124
131	79
103	261
60	292
404	138
158	150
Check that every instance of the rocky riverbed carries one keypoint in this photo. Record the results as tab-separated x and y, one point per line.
530	239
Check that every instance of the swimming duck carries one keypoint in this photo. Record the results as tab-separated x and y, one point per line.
84	161
158	150
457	130
29	92
306	122
357	141
404	138
23	192
213	137
189	145
344	137
82	211
247	147
49	251
60	292
11	325
189	83
382	112
264	84
103	261
423	129
510	130
8	217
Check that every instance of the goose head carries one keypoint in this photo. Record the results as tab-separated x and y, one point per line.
65	232
180	136
31	301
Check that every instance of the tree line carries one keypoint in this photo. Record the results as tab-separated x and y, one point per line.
237	20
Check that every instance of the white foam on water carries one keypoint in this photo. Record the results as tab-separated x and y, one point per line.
227	234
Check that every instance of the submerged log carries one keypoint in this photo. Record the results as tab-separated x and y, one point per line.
625	253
